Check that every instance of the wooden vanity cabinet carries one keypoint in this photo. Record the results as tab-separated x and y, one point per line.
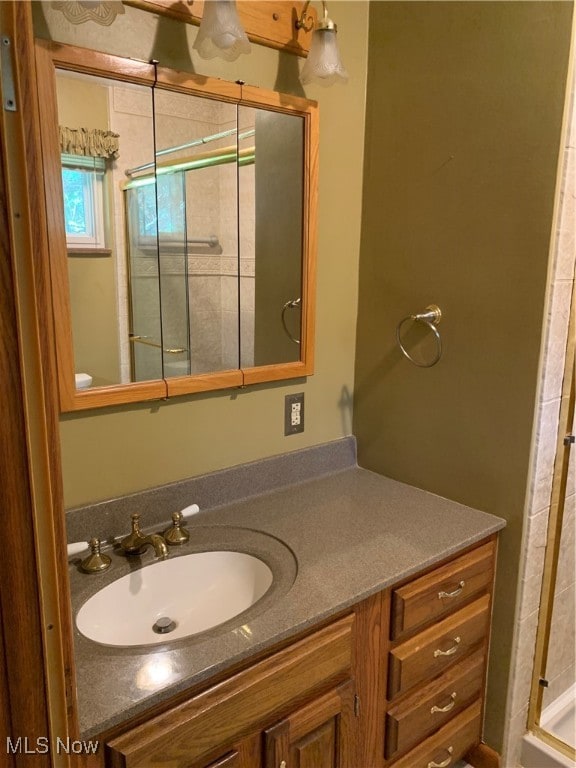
436	662
397	683
318	735
292	697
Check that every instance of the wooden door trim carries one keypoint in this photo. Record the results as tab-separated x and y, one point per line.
5	718
33	573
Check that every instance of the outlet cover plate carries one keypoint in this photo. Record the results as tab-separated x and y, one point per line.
294	414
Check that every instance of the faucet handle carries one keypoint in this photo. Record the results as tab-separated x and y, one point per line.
132	544
96	561
176	534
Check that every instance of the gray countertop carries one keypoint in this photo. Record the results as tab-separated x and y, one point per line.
351	534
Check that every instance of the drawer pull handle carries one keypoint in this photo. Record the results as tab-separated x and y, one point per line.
448	706
283	764
459	588
450	651
444	763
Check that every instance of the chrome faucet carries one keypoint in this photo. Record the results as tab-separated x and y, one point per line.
136	542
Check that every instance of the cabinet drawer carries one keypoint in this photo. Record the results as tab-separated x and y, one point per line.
442	591
447	745
432	651
431	707
215	718
231	760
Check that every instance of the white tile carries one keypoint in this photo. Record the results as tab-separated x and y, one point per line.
536	535
557	336
535	550
546	438
572	130
522	676
531	593
571	484
513	740
566	575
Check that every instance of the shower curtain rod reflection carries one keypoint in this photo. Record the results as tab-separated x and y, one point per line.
195	143
203	160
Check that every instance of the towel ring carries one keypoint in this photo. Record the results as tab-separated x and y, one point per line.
292	304
430	317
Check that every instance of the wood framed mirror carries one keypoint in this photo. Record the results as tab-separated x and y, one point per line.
181	218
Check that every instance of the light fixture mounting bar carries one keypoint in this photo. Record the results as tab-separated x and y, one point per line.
272	23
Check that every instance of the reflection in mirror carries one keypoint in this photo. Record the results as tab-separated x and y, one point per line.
187	259
106	127
271	194
196	153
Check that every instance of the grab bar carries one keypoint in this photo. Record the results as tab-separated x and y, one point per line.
212	241
146	340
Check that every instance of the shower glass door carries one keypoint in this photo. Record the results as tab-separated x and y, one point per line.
558	707
197	198
553	708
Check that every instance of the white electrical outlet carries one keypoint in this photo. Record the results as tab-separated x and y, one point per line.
295	414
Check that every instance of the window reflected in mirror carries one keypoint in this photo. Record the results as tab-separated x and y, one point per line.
83	185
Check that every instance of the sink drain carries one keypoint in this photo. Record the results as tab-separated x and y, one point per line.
163	625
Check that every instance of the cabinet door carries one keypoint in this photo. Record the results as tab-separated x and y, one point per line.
317	736
199	727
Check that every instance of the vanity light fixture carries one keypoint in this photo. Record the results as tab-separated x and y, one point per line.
221	33
79	11
323	65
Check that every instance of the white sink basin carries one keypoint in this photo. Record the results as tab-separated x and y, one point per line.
189	594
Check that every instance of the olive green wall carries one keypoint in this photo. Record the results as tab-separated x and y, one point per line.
463	123
116	451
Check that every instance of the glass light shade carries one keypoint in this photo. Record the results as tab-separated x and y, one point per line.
323	65
79	11
221	33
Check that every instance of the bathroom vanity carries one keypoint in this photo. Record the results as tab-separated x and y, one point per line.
372	654
401	676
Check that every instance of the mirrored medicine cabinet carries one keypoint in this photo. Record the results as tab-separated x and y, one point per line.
181	214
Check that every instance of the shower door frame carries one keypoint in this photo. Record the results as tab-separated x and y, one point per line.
554	532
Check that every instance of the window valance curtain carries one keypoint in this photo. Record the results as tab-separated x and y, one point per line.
91	142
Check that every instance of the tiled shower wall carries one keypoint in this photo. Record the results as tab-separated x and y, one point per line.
561	672
212	273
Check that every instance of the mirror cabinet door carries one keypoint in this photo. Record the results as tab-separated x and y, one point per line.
106	128
271	193
196	182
